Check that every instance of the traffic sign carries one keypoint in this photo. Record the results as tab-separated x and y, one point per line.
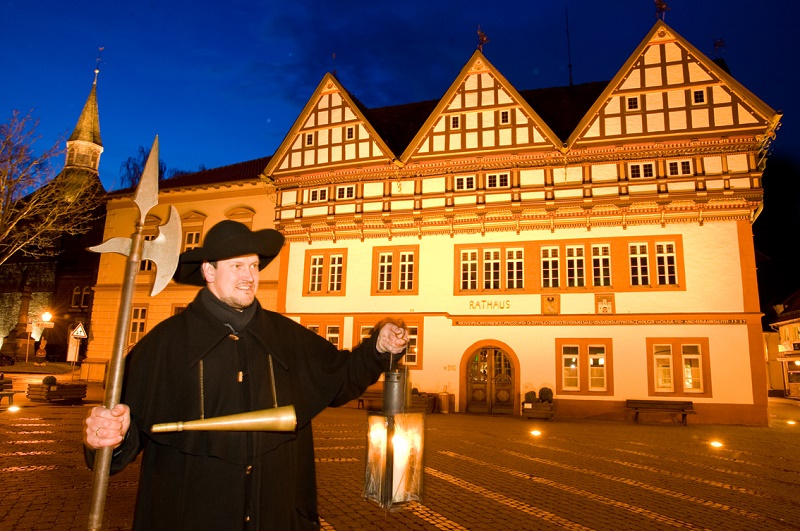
79	332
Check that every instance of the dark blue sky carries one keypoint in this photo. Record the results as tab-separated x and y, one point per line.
223	82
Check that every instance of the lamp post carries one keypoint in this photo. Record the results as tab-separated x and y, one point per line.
44	323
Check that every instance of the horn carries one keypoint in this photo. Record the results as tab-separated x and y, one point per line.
274	419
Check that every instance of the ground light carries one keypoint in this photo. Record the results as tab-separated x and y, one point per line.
13	409
791	422
716	444
536	433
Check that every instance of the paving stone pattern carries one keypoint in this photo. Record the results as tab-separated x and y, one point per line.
482	472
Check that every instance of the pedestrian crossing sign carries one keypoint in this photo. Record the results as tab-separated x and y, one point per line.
79	332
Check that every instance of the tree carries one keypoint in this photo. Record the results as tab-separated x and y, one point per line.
131	170
38	205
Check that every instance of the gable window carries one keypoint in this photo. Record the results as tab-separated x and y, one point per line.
640	272
643	170
575	267
310	139
395	270
504	117
633	103
350	133
497	180
318	195
346	192
465	182
550	267
679	167
666	264
455	122
601	265
325	272
699	96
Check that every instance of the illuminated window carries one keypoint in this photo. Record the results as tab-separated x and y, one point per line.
679	366
570	379
601	265
666	268
550	267
412	352
597	368
395	270
640	273
138	323
692	368
576	266
662	363
325	272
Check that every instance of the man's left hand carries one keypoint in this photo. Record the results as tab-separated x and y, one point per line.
393	338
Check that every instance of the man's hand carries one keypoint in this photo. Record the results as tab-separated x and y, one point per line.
107	427
393	336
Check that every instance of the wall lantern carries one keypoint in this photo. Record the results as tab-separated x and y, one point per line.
394	448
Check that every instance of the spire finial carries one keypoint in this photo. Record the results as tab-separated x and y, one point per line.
97	66
482	38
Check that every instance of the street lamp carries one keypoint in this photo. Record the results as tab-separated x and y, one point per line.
45	323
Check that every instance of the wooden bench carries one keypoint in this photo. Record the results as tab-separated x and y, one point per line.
10	395
371	400
684	407
72	393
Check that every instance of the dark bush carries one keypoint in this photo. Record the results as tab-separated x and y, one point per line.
545	394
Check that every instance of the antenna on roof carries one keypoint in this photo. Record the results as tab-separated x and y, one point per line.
97	66
569	49
482	39
661	9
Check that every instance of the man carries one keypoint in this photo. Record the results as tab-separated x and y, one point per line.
224	355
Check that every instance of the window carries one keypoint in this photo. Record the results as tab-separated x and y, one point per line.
411	358
394	270
633	103
497	180
455	122
699	96
666	268
314	328
570	378
335	273
310	139
550	267
679	167
491	269
466	182
147	265
76	298
601	265
86	297
318	195
350	133
643	170
138	322
640	274
504	117
332	335
692	368
469	269
597	368
575	267
325	272
585	366
515	263
662	363
667	357
345	192
191	240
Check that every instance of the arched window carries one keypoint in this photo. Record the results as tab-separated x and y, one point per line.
86	297
76	297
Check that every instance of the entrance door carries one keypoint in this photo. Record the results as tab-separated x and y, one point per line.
490	382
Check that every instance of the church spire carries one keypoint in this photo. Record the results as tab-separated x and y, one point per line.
85	145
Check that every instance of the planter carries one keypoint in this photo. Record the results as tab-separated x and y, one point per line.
49	393
537	410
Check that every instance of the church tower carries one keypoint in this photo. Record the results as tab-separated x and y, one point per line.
85	145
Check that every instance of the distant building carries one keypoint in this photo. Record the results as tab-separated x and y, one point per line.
784	368
62	283
594	239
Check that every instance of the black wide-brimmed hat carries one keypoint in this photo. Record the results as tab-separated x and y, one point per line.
228	239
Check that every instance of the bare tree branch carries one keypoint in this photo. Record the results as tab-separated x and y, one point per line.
39	206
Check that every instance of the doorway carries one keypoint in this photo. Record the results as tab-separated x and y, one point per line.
490	381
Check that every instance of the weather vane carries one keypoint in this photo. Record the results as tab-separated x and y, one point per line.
661	9
97	66
482	39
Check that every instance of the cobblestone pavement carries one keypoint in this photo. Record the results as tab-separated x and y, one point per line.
481	473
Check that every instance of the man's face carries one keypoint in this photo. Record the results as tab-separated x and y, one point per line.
234	281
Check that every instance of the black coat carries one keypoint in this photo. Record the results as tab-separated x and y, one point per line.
229	480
